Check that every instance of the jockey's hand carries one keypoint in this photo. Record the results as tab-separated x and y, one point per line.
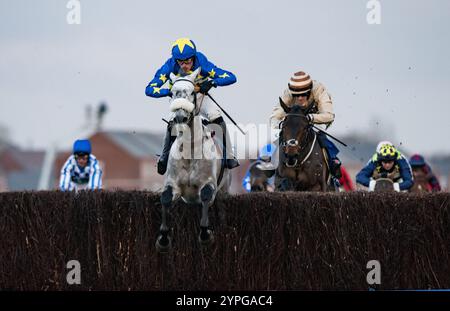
310	118
206	86
372	184
376	174
397	187
197	88
391	175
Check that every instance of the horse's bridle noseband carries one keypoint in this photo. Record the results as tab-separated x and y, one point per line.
294	142
191	115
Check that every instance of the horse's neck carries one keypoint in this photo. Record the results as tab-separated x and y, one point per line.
305	153
192	142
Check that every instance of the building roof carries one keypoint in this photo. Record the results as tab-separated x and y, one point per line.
138	144
21	168
24	180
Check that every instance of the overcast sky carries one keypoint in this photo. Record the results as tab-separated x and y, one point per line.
393	76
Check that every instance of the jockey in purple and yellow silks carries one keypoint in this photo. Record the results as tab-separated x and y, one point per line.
185	59
418	162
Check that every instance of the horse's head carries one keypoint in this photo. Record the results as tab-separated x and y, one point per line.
259	177
294	132
183	102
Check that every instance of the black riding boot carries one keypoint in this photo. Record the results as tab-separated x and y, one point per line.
164	158
334	163
230	160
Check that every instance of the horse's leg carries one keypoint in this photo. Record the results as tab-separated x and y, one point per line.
206	196
164	242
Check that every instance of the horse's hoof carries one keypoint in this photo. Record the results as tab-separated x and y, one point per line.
206	237
163	245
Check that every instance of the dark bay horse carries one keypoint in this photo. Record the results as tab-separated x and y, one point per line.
302	164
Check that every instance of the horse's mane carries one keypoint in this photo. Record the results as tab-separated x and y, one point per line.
297	110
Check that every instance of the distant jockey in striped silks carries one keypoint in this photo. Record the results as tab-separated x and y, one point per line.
81	170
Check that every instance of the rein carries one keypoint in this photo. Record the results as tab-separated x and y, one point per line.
294	142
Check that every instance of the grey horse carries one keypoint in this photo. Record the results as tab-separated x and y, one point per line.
195	169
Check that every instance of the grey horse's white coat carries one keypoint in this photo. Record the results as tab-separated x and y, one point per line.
194	160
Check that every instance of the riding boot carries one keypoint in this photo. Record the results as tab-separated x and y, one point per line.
230	159
334	162
164	158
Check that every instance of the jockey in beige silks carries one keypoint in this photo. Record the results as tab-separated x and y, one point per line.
308	93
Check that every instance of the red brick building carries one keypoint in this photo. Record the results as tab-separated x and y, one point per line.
128	160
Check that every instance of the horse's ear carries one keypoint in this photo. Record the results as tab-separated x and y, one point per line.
194	75
172	77
283	105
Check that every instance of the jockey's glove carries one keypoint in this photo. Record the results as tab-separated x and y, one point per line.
206	86
310	118
397	187
372	184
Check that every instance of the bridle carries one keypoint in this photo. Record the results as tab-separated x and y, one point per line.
295	143
195	112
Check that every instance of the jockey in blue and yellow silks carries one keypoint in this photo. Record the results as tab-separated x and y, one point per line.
185	59
388	162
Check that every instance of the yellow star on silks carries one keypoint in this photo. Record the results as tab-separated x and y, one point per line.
224	75
163	78
156	90
154	84
182	42
212	73
199	77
